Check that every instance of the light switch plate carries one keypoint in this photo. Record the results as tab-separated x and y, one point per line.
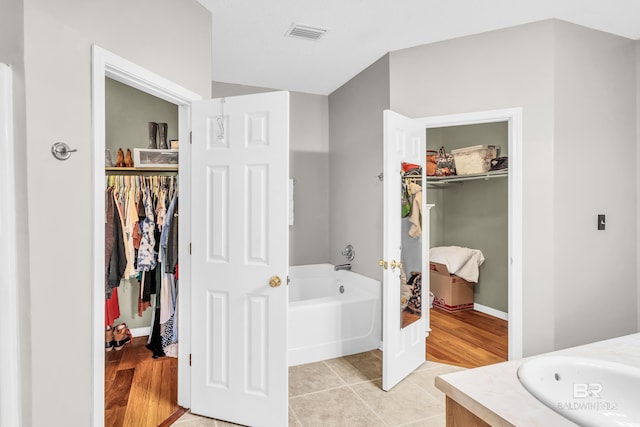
601	222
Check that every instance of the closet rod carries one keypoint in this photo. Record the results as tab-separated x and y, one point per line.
143	172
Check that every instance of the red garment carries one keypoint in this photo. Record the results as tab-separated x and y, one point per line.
142	306
111	308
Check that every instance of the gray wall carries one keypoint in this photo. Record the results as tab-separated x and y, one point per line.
499	69
309	166
355	149
529	66
474	214
58	39
595	121
12	53
127	112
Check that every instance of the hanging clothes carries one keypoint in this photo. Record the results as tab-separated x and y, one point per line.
115	256
172	238
111	308
168	294
141	242
146	254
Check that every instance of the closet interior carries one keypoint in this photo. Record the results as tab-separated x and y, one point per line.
469	240
141	257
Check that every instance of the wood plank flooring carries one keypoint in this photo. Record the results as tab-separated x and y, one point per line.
467	338
139	390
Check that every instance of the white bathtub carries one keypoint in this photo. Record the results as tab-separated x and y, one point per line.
323	321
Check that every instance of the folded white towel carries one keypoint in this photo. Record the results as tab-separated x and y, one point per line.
463	262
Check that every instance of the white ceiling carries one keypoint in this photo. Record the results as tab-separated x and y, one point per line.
249	46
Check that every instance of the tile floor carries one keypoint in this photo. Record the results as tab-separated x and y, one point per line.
347	392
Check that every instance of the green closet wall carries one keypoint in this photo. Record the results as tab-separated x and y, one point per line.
474	214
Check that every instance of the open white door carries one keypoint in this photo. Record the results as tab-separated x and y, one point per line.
403	349
240	171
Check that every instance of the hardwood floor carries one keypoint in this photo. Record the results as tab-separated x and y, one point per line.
139	390
467	338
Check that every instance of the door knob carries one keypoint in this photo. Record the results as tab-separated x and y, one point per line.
382	263
395	264
275	281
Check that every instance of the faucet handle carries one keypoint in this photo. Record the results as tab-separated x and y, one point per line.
349	253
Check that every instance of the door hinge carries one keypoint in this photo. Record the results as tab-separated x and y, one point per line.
189	359
190	137
189	248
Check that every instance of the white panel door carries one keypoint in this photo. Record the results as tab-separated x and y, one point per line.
403	349
240	171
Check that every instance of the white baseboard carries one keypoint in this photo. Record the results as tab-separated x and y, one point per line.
140	332
491	311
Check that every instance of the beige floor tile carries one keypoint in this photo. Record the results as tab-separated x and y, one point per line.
405	403
186	417
428	364
358	367
425	378
340	407
312	377
437	421
319	397
442	368
377	353
189	419
195	421
192	420
220	423
293	420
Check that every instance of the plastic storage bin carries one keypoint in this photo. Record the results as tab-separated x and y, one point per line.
473	160
152	158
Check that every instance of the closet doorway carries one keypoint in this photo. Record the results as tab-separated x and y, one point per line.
141	339
109	66
265	120
500	299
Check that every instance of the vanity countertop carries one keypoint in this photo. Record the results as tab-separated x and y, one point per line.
494	393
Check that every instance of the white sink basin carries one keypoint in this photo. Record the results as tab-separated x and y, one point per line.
588	392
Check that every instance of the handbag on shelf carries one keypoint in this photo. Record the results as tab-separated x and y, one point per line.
499	163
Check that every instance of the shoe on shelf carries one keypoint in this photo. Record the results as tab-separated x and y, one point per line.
128	160
120	158
121	336
109	342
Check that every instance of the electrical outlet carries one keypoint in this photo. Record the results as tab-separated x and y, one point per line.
601	222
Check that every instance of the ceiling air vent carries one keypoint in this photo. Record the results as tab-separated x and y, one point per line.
308	32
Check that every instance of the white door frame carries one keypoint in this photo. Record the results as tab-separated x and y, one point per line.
513	117
107	64
10	386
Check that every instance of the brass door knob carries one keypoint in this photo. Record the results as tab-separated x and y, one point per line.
275	281
382	263
395	264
